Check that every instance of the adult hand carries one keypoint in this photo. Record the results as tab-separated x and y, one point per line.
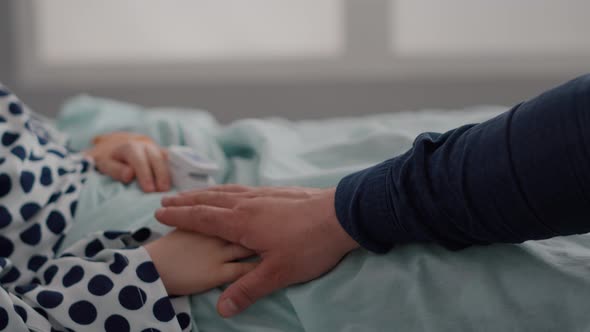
126	156
294	230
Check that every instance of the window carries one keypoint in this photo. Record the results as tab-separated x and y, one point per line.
134	41
467	28
164	31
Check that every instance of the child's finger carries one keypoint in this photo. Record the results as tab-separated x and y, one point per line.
115	170
232	252
136	157
159	167
231	272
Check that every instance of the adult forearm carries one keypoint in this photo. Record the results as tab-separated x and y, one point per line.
522	175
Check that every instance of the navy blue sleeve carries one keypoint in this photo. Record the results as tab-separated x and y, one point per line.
522	175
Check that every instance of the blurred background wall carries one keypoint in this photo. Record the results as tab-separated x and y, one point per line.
371	56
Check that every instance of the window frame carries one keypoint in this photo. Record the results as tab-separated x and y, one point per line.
366	56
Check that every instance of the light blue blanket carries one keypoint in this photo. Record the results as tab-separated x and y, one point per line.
536	286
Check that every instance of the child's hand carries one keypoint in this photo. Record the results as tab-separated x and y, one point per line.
126	156
190	262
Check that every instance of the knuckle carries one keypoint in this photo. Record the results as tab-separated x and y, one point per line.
197	210
126	146
229	229
278	275
243	208
246	293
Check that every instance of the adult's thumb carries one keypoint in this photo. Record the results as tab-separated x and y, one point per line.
249	289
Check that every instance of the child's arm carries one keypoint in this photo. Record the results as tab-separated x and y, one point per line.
126	156
111	288
90	287
190	262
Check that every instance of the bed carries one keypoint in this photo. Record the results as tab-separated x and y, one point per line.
535	286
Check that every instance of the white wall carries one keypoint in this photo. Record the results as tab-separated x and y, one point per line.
483	28
74	31
294	99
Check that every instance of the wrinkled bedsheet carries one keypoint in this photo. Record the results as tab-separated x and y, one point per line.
535	286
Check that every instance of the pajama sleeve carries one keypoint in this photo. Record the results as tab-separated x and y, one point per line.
105	282
523	175
99	290
90	288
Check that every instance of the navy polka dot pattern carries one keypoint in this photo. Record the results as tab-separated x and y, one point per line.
70	189
132	297
15	108
49	299
28	210
3	319
111	235
11	276
83	312
73	207
5	185
53	198
142	234
93	248
98	284
6	246
27	179
33	157
119	264
19	152
46	178
36	262
31	235
147	272
8	138
5	217
184	320
116	323
163	310
26	288
56	222
49	273
73	276
21	312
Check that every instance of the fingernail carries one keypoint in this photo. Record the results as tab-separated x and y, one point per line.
159	213
149	187
228	308
127	175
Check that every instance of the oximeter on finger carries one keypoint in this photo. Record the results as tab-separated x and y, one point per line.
189	169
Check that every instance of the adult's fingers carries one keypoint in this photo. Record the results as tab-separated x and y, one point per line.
233	188
115	169
232	252
220	199
230	272
248	289
209	220
159	167
135	156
